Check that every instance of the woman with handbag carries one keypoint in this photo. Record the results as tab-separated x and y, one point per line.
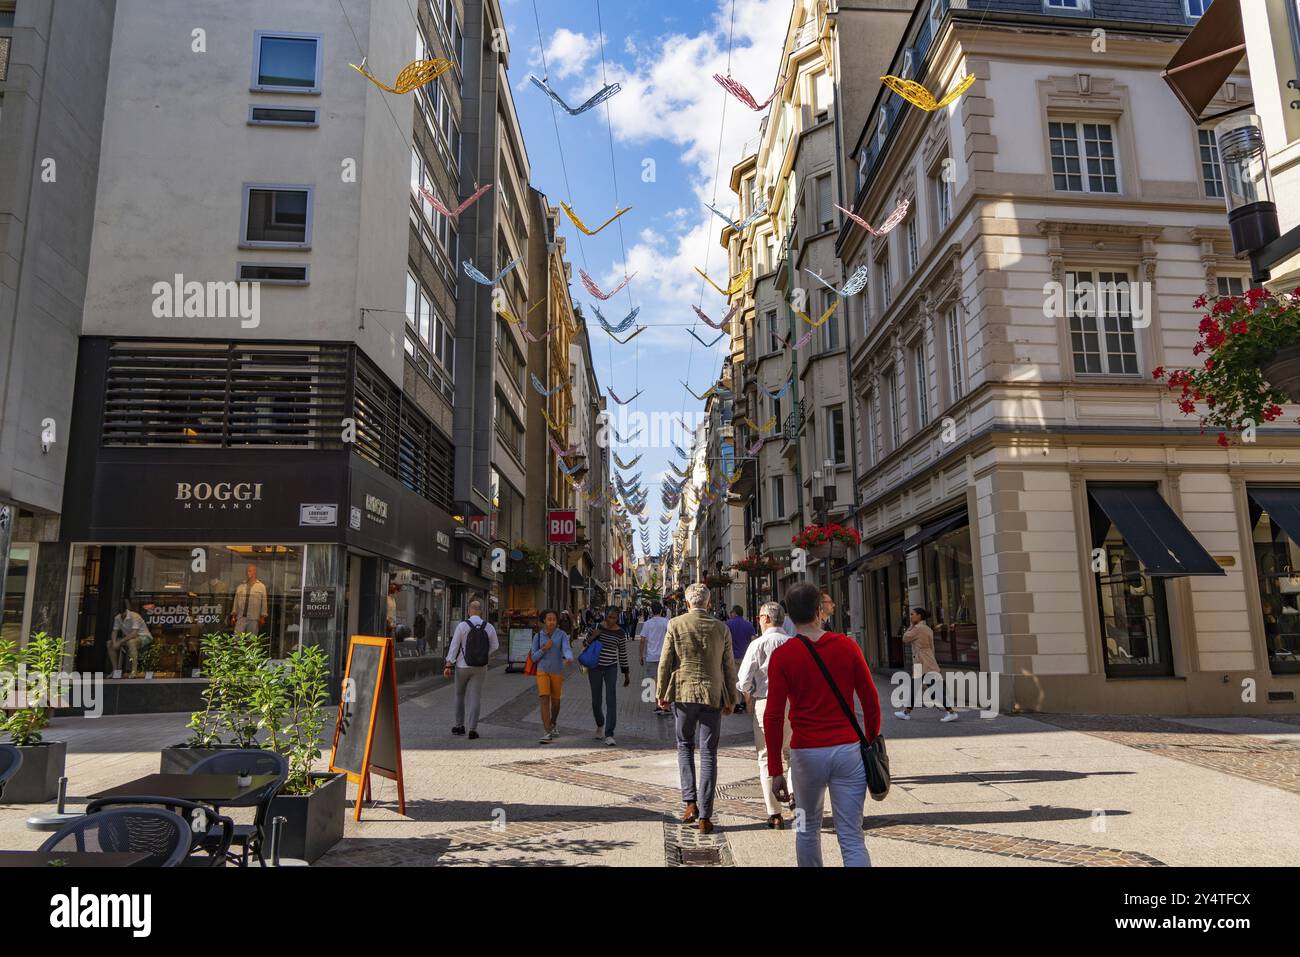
920	639
817	673
549	656
606	650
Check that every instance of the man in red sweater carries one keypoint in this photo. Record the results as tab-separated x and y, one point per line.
825	750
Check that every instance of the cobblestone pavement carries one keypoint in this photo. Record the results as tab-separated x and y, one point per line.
1012	791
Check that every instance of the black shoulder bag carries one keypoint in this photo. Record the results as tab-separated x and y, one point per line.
874	757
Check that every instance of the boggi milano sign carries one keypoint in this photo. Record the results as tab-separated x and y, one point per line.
214	496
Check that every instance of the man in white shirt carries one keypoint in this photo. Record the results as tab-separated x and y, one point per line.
751	679
249	611
469	658
652	633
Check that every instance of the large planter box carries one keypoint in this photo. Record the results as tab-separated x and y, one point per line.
314	822
37	781
179	758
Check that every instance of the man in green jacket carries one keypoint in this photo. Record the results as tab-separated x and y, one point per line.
697	674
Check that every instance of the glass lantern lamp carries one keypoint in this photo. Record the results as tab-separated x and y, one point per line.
1248	189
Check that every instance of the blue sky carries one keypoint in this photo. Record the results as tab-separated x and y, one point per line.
671	113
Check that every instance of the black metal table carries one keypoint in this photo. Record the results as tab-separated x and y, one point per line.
216	789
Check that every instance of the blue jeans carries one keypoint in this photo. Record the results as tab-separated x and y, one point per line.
698	722
840	769
606	675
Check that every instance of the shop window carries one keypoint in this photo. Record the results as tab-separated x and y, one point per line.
950	597
1277	570
1131	603
17	582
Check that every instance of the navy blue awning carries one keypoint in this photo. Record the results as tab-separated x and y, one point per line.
1160	540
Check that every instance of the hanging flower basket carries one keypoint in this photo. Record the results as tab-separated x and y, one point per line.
718	581
757	565
826	541
1251	349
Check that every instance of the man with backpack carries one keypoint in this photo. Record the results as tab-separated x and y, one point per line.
472	646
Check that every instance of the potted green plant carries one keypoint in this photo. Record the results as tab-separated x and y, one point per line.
313	803
148	659
31	687
1249	362
231	663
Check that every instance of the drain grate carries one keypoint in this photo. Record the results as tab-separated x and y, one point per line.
700	856
685	846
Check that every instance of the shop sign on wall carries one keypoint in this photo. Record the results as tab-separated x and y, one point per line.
318	603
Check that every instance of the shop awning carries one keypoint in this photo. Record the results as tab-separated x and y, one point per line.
1207	58
1160	540
929	533
893	545
1283	507
576	580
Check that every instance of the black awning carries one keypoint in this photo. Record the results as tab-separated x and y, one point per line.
1283	507
929	533
1160	540
893	545
576	579
1207	58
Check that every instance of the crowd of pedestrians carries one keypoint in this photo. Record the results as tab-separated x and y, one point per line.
812	705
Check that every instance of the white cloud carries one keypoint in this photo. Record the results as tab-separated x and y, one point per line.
569	53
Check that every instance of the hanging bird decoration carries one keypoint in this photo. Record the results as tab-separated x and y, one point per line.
756	446
630	439
533	338
483	280
919	96
891	221
733	287
551	422
573	217
453	213
590	285
825	316
700	398
756	427
600	96
413	76
511	318
623	342
740	92
856	282
708	345
627	465
781	391
726	320
564	453
614	395
543	391
759	210
805	339
623	325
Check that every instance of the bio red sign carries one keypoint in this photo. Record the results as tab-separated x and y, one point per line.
561	526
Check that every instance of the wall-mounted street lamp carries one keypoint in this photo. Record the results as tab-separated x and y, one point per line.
1248	192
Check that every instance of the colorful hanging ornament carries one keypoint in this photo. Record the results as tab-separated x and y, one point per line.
543	391
856	282
756	446
532	338
825	316
483	280
626	465
600	96
563	453
726	320
453	213
573	217
781	391
891	221
623	325
919	96
413	76
740	226
733	287
614	395
623	342
591	287
756	427
511	318
740	92
708	345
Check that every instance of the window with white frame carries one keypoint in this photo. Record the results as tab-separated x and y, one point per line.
1195	9
835	448
773	340
956	350
430	329
831	327
884	279
777	484
913	256
276	216
920	384
286	62
1230	285
825	220
1083	156
942	194
869	427
894	426
1102	339
1077	6
1211	172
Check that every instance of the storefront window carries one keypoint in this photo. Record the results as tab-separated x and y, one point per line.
1277	565
1134	616
179	594
419	613
950	598
15	600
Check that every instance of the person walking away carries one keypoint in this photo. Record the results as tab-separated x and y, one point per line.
824	746
751	680
552	652
604	676
742	633
920	639
652	634
697	674
472	645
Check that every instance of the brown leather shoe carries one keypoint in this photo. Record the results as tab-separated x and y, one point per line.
706	826
691	814
777	822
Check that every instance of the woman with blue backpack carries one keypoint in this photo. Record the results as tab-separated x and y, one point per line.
606	650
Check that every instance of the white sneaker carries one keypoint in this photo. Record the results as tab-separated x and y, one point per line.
609	741
950	716
903	714
545	738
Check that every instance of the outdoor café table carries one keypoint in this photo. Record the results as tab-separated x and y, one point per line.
215	789
71	858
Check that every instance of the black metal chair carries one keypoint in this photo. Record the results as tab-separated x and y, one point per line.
250	838
163	835
11	759
203	821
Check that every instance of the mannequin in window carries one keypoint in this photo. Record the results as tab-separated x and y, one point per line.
129	636
248	614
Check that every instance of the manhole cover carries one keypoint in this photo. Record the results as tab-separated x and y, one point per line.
705	856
